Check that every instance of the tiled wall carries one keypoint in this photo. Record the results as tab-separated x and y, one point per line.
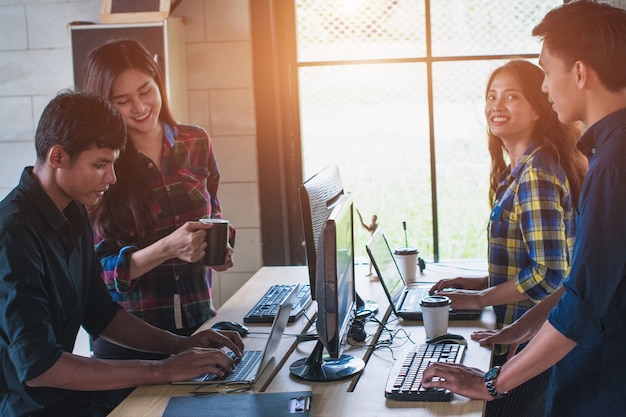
35	63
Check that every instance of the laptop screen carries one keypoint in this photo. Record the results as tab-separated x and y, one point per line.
278	328
385	265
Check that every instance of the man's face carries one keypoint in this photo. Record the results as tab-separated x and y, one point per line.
86	178
560	84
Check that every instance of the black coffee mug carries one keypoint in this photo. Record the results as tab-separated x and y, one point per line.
216	242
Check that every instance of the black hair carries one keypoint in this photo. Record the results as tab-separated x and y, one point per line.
77	122
125	214
108	61
589	31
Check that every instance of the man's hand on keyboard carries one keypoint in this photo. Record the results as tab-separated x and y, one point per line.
215	339
192	363
460	379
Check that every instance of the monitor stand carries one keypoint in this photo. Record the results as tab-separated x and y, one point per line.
321	368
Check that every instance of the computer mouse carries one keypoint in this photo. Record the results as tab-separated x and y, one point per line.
447	338
242	329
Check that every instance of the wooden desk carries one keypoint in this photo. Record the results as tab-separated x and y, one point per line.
364	392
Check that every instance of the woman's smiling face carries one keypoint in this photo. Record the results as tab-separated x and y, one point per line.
509	114
136	96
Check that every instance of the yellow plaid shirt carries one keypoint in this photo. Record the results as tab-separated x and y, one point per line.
531	231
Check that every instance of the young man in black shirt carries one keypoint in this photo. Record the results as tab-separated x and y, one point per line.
50	281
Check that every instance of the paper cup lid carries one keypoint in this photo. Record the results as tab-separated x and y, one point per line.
435	301
406	251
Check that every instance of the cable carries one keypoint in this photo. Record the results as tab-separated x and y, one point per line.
399	335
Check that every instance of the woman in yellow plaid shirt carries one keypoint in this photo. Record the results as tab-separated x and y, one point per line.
536	176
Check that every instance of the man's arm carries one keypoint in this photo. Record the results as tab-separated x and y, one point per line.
547	348
89	374
200	354
127	330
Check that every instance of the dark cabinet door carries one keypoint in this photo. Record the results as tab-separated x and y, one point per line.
87	37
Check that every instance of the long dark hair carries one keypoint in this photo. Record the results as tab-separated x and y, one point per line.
556	138
125	212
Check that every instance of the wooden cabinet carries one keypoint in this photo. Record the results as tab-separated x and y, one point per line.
164	39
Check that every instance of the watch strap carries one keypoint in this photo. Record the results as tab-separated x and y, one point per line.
490	382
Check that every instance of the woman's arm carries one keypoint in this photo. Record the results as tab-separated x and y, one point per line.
522	329
123	265
504	293
186	243
477	283
546	226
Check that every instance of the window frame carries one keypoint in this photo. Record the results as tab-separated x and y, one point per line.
274	52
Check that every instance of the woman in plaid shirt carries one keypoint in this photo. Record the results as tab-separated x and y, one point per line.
532	223
147	235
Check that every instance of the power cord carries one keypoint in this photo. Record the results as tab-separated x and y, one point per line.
388	337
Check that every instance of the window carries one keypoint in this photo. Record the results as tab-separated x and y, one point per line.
392	91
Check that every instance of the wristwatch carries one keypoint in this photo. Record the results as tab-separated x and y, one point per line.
490	381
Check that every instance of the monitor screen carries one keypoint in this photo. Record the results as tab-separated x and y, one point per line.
336	299
318	196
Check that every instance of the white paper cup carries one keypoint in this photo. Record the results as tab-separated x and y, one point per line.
406	258
435	314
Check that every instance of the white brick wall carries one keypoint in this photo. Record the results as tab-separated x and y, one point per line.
35	63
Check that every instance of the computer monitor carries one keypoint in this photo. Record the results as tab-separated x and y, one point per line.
318	196
336	299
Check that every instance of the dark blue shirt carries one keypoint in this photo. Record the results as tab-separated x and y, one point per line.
50	285
591	379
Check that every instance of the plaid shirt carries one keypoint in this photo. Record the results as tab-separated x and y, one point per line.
531	231
186	189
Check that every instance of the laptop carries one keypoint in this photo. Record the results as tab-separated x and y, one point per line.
404	299
253	362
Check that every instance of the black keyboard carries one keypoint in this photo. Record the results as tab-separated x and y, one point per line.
266	308
404	382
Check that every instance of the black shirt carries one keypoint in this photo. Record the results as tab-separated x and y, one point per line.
50	285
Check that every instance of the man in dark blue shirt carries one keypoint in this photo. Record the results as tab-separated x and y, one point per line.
50	281
583	56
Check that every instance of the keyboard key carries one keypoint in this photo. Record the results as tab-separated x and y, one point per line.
404	382
266	308
245	366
